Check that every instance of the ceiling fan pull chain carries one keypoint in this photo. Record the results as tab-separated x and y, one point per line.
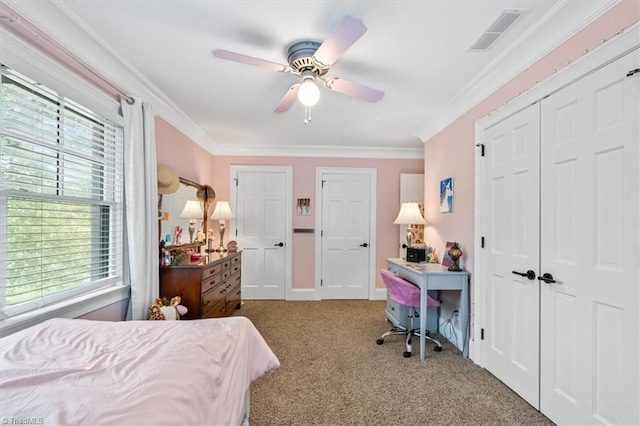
307	114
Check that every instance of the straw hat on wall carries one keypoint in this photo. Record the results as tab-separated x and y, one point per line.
168	180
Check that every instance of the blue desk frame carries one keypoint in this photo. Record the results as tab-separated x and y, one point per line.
433	276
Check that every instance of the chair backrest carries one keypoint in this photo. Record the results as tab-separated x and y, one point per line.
402	291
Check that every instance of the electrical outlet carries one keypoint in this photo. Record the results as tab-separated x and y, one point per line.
455	313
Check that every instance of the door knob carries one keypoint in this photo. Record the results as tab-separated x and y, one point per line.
547	278
364	245
529	274
279	245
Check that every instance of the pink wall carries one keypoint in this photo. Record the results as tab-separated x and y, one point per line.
304	186
451	152
187	158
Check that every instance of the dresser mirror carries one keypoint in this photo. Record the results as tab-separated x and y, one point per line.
187	207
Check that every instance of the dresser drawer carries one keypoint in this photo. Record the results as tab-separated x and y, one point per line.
211	271
235	266
217	311
211	283
234	279
235	260
213	296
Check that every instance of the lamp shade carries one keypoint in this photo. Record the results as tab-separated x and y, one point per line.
222	211
192	210
409	215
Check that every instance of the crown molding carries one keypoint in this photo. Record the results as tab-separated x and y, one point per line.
65	27
318	151
559	24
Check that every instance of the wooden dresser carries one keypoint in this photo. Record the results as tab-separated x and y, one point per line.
209	288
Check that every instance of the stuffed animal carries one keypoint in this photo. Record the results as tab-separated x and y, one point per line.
164	309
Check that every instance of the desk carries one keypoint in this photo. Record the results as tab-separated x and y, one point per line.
433	276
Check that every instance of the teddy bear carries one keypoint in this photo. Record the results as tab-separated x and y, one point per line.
165	309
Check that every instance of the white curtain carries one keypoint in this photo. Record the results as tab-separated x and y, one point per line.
141	201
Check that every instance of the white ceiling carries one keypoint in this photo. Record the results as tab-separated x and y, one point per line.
415	51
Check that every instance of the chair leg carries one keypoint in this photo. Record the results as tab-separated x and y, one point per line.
437	347
407	352
394	331
409	332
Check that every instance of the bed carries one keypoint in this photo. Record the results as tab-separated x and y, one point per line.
76	371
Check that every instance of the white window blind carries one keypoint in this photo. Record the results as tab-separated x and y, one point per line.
61	198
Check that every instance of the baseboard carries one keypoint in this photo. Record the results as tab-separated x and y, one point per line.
380	294
303	294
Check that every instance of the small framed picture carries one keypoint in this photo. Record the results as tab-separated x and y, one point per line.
446	195
304	206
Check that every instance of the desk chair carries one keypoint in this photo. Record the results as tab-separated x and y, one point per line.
407	294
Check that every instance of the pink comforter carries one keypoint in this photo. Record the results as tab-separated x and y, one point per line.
80	372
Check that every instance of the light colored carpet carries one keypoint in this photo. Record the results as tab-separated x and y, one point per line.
334	373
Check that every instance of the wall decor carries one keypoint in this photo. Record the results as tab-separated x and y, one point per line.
304	206
446	195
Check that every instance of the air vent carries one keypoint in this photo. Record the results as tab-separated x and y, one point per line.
495	30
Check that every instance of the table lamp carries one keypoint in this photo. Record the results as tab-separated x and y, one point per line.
222	213
192	211
409	215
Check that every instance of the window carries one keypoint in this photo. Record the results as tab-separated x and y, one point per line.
61	198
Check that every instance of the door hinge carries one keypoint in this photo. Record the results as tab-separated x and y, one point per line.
632	72
236	232
482	242
322	183
482	334
320	283
321	234
481	145
236	179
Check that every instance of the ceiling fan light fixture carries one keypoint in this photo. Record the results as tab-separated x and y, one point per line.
308	93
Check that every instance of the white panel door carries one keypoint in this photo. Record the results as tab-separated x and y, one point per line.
263	212
589	217
345	236
511	229
411	191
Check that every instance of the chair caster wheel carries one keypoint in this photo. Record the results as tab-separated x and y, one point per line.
437	349
407	354
380	341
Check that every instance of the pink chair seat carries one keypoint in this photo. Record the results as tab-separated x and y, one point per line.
403	292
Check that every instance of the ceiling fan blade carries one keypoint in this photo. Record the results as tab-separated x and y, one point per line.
347	32
249	60
356	90
288	99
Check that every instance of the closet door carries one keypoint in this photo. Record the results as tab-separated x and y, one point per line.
589	244
511	227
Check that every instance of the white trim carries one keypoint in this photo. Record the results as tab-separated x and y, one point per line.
477	314
380	294
318	151
288	239
65	27
304	294
618	46
20	56
599	57
373	247
71	308
560	24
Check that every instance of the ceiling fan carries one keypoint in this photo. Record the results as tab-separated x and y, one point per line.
311	61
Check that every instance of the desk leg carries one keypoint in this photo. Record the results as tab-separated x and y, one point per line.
464	317
423	319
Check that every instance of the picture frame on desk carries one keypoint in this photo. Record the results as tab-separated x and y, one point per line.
446	259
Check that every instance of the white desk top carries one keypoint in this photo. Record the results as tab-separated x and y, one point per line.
425	268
